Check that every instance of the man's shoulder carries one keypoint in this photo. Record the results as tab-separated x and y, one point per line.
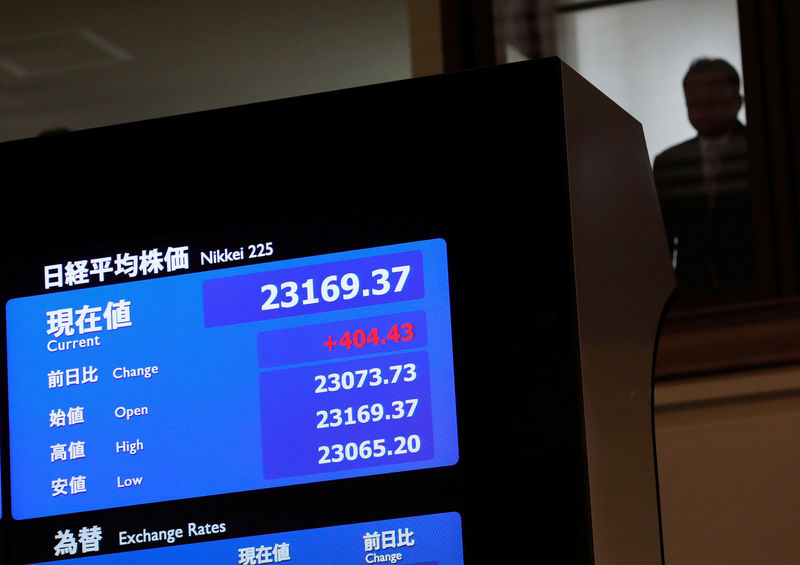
678	171
685	151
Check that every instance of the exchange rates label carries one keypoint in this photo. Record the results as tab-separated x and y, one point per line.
145	391
420	540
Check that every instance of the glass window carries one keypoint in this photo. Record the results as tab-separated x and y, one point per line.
639	53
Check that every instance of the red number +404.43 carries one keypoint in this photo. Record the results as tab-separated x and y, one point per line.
360	338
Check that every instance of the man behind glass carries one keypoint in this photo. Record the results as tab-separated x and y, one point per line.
703	188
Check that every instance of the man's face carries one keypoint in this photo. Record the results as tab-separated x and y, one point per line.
712	104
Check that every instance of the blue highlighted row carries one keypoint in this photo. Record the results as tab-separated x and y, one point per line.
346	415
313	288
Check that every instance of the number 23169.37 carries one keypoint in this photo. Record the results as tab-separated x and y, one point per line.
366	413
333	288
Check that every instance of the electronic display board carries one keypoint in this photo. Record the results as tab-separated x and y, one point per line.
285	323
181	385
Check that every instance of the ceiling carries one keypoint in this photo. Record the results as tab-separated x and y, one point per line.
76	65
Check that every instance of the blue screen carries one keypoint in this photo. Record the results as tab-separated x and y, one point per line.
252	377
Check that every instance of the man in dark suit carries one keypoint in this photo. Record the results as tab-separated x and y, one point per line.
703	186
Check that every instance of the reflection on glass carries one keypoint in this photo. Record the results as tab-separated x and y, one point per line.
703	187
637	53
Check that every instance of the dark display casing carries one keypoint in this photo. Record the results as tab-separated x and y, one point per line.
559	273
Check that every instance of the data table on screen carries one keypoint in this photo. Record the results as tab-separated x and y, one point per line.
297	370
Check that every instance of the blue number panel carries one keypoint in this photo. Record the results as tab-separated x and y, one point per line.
301	370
